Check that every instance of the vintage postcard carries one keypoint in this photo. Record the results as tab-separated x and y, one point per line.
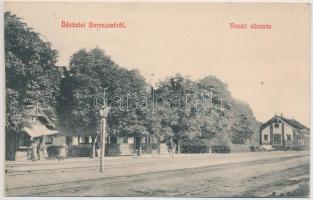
157	99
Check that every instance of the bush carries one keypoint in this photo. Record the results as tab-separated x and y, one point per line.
220	149
79	151
73	151
113	149
198	145
54	151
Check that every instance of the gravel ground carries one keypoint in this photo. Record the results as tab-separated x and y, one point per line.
262	174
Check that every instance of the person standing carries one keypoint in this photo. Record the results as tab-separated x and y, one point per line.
44	152
171	146
154	146
158	146
97	147
33	150
38	149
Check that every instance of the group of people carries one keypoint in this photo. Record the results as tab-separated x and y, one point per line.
38	151
171	147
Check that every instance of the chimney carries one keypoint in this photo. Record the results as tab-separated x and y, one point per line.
281	115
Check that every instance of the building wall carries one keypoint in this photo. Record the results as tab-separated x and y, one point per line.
277	133
279	129
283	130
289	137
301	141
288	131
75	140
58	140
266	131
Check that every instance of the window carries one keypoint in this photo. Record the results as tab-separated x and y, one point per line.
49	139
288	137
265	137
276	125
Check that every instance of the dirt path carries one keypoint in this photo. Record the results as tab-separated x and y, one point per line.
168	178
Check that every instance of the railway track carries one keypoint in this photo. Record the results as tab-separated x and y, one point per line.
64	186
191	191
39	190
123	165
21	172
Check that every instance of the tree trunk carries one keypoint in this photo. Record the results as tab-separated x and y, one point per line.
10	144
178	145
93	147
139	148
210	146
158	147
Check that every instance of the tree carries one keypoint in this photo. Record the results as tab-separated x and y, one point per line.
176	115
90	73
204	110
244	125
30	70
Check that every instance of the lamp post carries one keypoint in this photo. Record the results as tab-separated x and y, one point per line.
103	114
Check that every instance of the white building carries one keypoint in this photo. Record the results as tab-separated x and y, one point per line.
281	132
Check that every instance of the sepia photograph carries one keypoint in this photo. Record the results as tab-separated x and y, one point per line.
159	99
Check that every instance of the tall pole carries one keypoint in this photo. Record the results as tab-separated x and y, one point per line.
103	114
102	137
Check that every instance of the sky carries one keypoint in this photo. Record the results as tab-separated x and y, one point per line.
267	68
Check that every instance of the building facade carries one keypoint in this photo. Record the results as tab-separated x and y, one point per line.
41	129
284	133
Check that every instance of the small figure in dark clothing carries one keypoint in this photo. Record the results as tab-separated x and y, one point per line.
154	146
97	147
171	146
38	150
33	150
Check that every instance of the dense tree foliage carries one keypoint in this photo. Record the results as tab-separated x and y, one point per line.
90	74
179	108
204	109
30	70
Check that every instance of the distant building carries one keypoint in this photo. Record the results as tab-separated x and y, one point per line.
39	127
83	144
281	132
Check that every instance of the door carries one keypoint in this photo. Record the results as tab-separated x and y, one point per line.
277	139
